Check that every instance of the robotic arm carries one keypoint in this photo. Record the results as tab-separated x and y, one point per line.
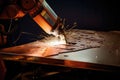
39	10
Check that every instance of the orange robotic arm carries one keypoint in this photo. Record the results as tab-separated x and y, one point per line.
39	10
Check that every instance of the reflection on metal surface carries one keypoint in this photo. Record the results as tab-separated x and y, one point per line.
61	62
89	49
49	45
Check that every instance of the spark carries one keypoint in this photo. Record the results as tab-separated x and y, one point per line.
56	40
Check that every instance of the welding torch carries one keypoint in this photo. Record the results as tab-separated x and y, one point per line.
39	10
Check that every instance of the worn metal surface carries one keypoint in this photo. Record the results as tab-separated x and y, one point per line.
107	54
91	50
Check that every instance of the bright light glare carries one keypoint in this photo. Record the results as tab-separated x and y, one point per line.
58	40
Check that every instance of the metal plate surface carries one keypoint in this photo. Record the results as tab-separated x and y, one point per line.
88	50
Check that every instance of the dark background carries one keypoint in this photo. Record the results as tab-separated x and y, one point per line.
89	14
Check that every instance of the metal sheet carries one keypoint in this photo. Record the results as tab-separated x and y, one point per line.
107	54
102	57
